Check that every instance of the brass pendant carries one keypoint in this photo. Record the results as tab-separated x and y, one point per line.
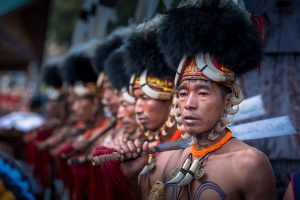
174	172
157	191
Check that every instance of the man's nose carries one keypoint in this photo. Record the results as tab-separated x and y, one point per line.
191	102
121	112
75	106
106	96
139	106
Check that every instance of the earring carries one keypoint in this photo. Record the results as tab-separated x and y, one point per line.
178	118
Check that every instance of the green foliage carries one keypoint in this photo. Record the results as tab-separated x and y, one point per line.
65	12
62	19
125	11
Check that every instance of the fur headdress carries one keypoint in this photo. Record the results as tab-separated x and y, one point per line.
114	69
108	45
220	28
144	59
52	76
142	51
78	69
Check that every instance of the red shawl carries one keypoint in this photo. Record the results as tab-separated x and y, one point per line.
108	181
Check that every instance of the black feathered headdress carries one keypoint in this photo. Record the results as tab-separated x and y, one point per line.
108	45
78	69
52	76
142	51
114	68
144	59
219	28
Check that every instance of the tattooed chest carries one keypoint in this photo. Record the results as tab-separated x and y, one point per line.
205	190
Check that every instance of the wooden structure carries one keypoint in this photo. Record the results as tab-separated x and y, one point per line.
23	26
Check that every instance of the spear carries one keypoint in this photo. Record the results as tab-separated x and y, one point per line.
273	127
250	108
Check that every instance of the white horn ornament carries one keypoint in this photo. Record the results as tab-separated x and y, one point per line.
179	176
186	135
189	177
231	111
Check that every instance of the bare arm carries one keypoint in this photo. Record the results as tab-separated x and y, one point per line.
257	180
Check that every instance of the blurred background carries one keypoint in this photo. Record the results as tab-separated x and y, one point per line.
34	33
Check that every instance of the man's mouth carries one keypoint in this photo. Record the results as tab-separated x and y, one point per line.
142	120
125	123
190	119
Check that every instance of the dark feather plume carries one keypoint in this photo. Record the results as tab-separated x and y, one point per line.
108	45
114	68
78	69
52	76
217	27
142	52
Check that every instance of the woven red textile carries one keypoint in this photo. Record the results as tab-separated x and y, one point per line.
108	181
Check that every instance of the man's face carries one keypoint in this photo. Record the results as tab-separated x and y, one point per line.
201	105
83	108
54	108
150	113
126	114
69	98
110	97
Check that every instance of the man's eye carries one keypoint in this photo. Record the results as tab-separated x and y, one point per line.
203	93
183	94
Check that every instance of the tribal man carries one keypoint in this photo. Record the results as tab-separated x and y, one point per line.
212	42
152	87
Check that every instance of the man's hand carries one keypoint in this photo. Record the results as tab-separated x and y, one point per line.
42	146
133	150
80	143
28	137
117	141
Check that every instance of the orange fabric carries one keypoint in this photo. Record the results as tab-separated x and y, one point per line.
119	123
79	125
176	135
198	153
89	132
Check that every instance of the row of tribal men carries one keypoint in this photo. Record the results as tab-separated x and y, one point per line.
91	103
169	78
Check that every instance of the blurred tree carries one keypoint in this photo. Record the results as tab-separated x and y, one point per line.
125	12
62	18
